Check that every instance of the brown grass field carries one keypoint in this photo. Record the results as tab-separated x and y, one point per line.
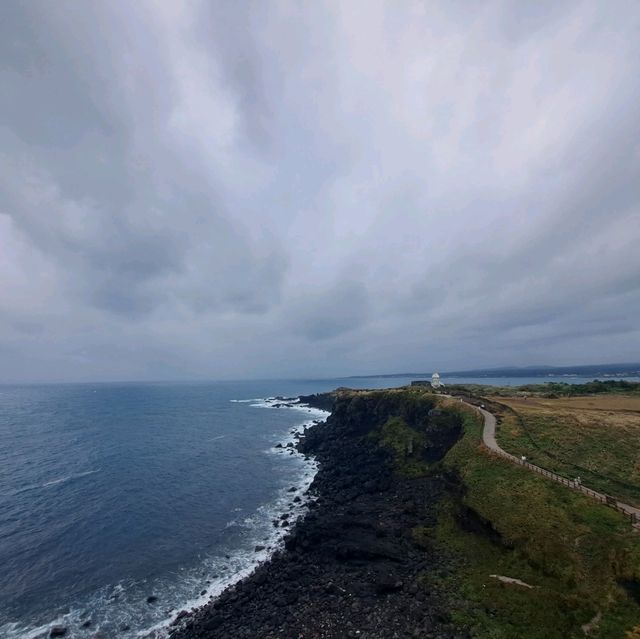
594	437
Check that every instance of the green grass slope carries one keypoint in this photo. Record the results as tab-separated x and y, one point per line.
581	559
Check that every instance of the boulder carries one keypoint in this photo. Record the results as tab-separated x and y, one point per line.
179	617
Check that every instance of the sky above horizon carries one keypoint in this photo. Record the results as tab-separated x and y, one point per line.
267	189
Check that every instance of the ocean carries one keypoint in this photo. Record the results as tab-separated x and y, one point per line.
122	504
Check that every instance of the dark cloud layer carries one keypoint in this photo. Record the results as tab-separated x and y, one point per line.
193	189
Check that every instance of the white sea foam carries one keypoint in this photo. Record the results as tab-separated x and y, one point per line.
265	533
243	563
113	607
53	482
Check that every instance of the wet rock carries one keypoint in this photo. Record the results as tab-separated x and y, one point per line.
58	631
151	599
259	548
350	566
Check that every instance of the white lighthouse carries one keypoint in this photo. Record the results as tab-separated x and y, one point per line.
435	381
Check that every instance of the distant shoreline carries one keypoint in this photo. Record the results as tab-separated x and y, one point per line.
607	371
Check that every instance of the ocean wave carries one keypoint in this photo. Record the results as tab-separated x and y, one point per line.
53	482
122	605
312	414
261	533
260	525
61	480
291	404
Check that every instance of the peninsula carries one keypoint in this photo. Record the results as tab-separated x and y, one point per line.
417	529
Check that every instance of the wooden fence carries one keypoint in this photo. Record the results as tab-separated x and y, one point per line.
608	500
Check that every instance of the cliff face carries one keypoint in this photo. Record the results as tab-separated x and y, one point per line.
355	566
362	412
429	432
323	401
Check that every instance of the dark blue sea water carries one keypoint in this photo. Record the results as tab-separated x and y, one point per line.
110	493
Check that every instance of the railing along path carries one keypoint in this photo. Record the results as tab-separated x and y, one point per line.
489	441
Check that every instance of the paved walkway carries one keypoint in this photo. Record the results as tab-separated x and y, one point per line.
489	440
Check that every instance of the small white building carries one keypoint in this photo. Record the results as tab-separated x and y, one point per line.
435	381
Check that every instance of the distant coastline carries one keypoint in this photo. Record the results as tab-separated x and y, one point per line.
590	370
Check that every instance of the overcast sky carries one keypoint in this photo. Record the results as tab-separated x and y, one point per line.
265	189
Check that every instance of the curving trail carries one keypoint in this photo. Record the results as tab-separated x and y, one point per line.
489	440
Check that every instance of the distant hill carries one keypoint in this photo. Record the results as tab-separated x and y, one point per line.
590	370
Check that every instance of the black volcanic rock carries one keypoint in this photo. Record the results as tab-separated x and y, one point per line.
350	567
323	401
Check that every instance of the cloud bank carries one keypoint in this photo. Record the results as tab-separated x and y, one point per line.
264	189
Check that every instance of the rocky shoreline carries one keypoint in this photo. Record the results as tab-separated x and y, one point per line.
352	567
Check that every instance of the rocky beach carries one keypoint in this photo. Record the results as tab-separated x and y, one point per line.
354	566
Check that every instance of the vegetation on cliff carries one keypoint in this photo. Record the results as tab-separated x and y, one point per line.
551	389
532	559
417	530
579	560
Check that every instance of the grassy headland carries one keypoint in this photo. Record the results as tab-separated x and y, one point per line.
550	389
581	558
578	561
596	438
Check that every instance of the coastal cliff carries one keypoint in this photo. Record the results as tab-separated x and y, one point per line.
356	565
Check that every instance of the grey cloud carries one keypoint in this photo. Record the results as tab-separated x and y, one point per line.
525	20
260	189
327	314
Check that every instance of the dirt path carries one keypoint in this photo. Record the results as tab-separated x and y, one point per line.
489	440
